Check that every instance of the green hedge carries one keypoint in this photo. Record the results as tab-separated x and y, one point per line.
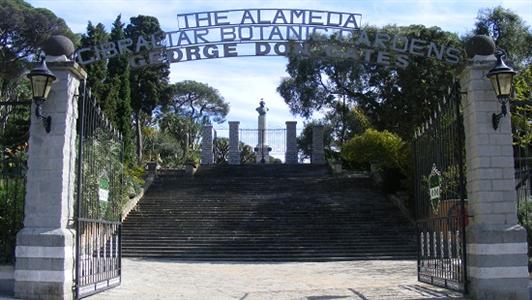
383	148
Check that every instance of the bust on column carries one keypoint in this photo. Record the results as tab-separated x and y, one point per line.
262	151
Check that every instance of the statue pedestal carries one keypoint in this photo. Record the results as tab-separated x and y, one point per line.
262	153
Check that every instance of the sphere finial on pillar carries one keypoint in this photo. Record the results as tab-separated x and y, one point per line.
58	48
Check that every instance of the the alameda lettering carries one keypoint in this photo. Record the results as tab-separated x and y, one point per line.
267	32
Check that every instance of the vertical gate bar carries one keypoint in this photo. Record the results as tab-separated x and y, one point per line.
119	226
120	251
463	215
81	110
439	152
88	192
418	244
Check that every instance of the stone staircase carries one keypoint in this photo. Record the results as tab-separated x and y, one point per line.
266	213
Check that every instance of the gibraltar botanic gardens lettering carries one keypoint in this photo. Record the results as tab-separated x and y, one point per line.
267	32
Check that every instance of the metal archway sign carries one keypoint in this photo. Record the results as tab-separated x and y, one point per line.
267	32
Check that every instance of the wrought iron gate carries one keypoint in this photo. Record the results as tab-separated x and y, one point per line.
14	134
522	130
440	196
98	200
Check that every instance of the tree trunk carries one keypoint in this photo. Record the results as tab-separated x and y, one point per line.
138	131
344	122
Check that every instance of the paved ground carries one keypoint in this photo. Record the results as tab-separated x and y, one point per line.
167	279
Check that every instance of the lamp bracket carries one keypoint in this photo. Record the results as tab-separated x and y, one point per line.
500	52
496	118
47	121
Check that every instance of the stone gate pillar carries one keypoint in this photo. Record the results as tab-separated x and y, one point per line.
318	152
497	262
234	140
207	147
46	245
291	143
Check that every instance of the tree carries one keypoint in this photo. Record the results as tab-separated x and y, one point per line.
513	35
508	31
118	75
304	140
392	99
178	127
163	147
221	152
23	29
148	84
199	104
97	71
522	109
247	155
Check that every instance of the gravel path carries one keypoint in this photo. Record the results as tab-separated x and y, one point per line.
167	279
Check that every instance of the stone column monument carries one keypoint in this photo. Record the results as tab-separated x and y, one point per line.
207	154
291	143
497	265
262	151
318	151
234	140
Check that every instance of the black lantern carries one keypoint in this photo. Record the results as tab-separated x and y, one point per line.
41	81
501	77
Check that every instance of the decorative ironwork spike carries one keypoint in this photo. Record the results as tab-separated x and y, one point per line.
444	99
439	107
436	114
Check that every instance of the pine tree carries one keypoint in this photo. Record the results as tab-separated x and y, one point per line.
118	74
96	72
149	84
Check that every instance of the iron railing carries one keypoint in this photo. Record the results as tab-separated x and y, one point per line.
99	195
275	139
14	134
522	133
440	196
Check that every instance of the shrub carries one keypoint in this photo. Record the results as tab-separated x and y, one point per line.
133	182
383	148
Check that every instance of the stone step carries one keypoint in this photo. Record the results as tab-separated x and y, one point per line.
308	242
302	257
278	170
266	213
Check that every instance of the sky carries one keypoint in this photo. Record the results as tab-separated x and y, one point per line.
243	81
